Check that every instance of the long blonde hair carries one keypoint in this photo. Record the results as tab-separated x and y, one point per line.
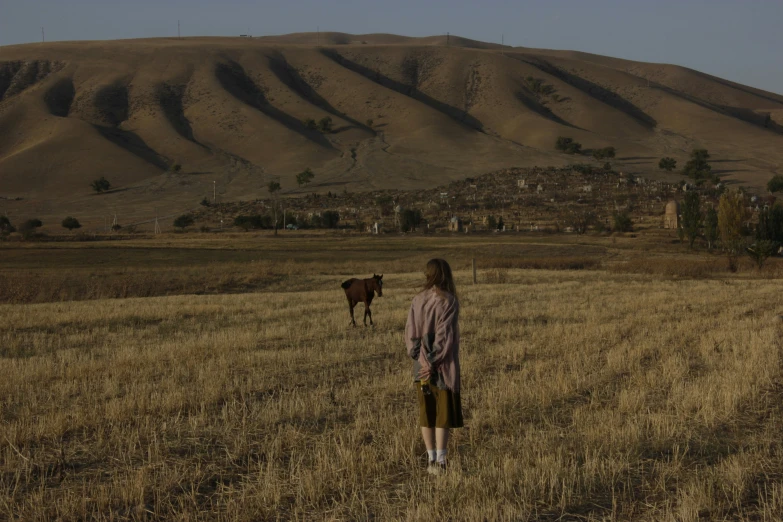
438	275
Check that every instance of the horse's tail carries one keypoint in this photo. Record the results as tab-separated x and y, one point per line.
346	284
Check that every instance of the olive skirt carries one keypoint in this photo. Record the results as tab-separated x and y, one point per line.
438	408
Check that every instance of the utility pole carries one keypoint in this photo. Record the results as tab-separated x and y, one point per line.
179	35
502	39
43	36
447	38
214	192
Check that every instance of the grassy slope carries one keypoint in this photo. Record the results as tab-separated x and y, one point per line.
230	111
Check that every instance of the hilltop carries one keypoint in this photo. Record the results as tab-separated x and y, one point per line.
407	113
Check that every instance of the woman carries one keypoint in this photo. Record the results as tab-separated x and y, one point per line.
432	338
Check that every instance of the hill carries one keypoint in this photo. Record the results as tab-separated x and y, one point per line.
406	113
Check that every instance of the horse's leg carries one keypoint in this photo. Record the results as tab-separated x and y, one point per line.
366	311
351	304
369	312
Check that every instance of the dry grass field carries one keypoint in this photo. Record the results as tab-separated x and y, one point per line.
589	395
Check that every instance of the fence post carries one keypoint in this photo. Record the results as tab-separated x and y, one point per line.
474	270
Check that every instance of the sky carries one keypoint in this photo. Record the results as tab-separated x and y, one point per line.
739	40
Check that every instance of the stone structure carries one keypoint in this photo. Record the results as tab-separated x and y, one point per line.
671	218
455	224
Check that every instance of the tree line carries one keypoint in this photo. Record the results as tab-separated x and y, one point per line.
728	227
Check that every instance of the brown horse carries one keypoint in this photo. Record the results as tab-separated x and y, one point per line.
362	291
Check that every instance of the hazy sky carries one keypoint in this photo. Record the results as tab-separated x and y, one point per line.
741	40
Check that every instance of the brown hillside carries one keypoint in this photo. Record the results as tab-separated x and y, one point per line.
230	111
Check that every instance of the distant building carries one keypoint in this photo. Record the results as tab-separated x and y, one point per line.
455	224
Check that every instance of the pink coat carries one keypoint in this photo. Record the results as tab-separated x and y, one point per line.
432	337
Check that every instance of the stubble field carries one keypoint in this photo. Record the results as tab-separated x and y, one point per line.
588	394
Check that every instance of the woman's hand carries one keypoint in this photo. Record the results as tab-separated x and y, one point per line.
425	373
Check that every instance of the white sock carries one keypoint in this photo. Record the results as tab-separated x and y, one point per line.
432	454
440	456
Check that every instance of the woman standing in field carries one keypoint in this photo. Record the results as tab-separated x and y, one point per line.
432	338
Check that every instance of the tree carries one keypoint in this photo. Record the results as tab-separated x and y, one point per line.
175	167
775	184
205	202
731	215
325	125
761	250
29	227
305	177
410	219
274	187
667	164
385	204
500	224
770	225
5	226
581	220
622	222
492	223
691	216
330	218
100	185
310	124
711	227
71	223
184	221
568	145
697	167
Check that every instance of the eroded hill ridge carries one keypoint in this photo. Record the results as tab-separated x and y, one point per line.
405	113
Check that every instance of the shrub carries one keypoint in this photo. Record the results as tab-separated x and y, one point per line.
30	225
71	223
175	167
606	152
273	186
568	145
100	185
667	164
116	227
253	222
5	226
310	124
183	221
623	222
369	122
205	202
775	184
325	125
